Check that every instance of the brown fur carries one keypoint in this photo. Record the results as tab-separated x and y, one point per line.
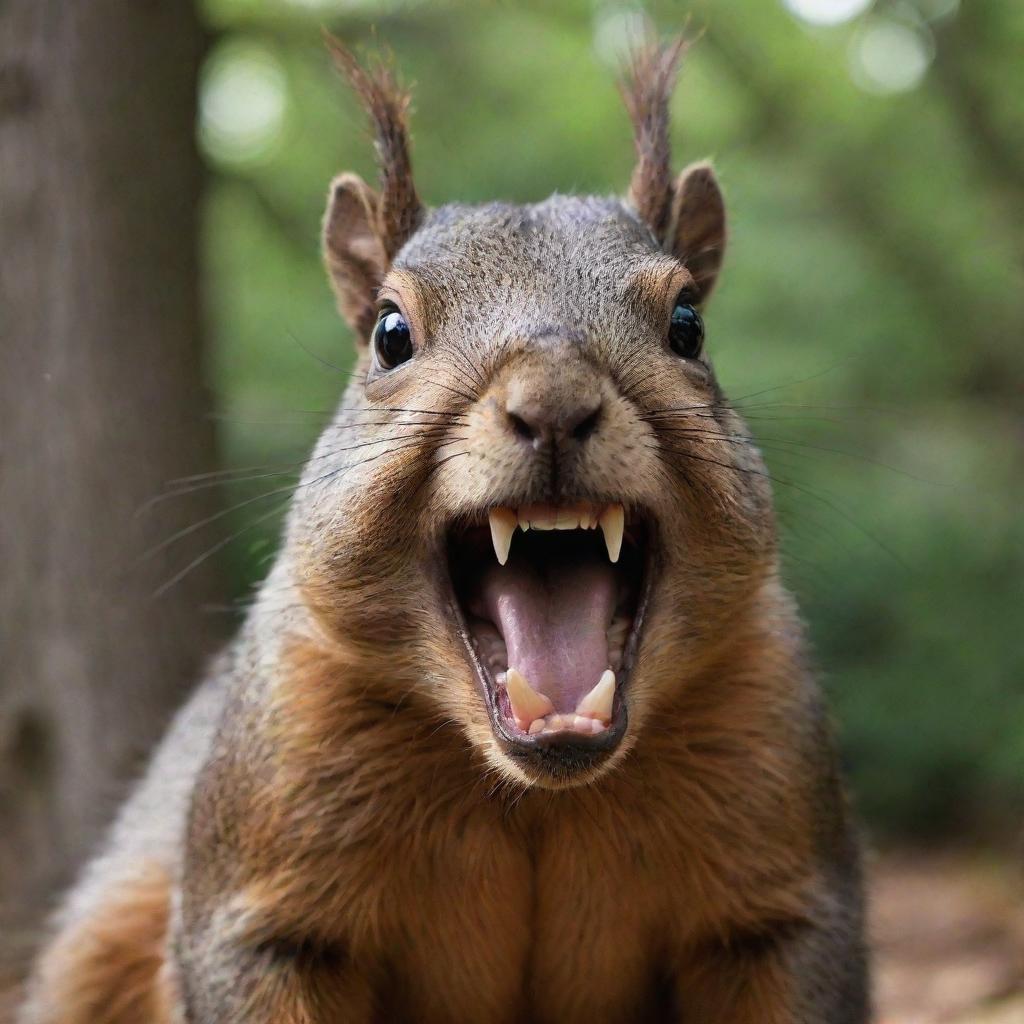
348	838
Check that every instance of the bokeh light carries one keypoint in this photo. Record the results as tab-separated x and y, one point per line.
827	12
242	103
889	56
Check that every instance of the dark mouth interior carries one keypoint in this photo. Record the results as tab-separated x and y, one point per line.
559	612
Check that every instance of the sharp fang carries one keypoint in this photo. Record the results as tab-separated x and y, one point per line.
527	704
598	703
503	525
613	521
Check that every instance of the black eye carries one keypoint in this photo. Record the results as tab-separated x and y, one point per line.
392	341
686	331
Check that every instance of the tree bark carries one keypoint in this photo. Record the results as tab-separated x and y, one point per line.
101	404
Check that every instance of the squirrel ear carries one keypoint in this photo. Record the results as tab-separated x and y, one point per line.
353	252
697	231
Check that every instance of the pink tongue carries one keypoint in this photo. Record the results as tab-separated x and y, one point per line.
554	620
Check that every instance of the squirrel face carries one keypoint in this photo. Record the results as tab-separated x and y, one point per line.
535	514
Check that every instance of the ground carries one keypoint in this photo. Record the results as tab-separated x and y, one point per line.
948	935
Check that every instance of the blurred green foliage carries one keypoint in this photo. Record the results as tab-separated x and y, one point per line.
870	321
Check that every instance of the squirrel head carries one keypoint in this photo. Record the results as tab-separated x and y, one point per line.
534	513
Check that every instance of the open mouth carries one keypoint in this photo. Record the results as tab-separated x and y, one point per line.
550	601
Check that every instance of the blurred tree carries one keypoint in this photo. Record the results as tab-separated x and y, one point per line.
101	403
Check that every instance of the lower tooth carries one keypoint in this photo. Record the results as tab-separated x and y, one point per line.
598	702
568	722
527	705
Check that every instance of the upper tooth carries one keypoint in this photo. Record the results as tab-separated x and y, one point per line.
567	519
503	525
546	517
527	704
598	703
613	519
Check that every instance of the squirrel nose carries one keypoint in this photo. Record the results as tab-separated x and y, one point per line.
541	421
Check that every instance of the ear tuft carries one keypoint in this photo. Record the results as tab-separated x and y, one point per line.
646	91
355	259
399	210
697	226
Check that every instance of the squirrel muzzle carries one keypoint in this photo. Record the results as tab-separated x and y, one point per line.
550	576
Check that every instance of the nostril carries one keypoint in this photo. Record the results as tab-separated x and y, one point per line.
587	425
521	426
539	424
552	416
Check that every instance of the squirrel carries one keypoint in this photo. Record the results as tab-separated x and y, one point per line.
520	726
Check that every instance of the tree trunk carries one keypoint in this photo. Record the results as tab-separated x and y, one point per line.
101	404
